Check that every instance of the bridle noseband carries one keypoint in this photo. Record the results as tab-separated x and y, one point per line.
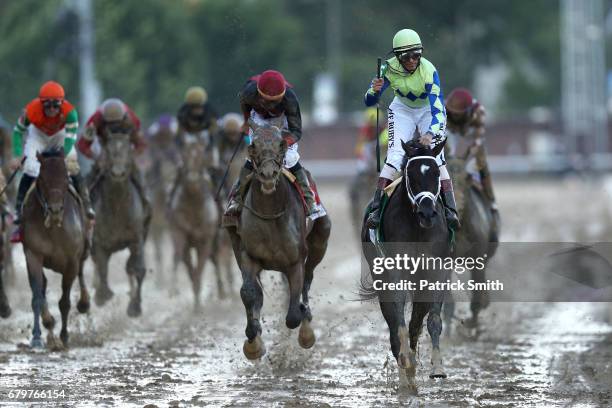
417	198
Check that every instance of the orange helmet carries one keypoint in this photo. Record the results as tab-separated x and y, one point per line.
51	90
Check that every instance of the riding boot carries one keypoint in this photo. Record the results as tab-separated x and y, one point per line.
450	208
374	217
302	179
83	191
238	189
24	186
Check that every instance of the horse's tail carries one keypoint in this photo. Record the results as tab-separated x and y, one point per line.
366	290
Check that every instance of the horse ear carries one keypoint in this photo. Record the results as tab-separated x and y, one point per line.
409	148
436	150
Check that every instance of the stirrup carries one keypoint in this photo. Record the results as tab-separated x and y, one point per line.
233	209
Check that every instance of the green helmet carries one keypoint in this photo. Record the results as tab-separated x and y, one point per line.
405	40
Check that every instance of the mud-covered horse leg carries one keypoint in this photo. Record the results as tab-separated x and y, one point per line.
83	304
136	271
35	278
64	303
317	246
103	292
434	327
216	256
480	298
251	294
203	253
5	308
180	244
295	278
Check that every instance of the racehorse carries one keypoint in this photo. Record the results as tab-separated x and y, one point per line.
193	214
122	219
272	234
478	236
413	223
55	237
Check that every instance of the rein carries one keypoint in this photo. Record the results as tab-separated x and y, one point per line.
265	217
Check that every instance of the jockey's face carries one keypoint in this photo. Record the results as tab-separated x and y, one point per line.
268	104
52	107
410	60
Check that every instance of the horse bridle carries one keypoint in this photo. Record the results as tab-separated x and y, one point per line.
262	216
417	198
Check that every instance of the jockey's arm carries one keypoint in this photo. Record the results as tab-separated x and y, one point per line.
438	116
71	127
18	131
372	97
294	118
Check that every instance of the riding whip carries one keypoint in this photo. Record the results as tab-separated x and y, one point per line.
379	61
12	176
242	136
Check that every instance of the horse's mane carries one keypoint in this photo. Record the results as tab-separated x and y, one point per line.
53	151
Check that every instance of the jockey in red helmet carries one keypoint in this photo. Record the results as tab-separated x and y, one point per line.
465	117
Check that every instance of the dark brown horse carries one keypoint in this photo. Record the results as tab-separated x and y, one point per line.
193	214
122	219
5	308
55	237
271	234
413	224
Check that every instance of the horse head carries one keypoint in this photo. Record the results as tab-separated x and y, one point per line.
422	180
267	152
118	154
195	163
52	184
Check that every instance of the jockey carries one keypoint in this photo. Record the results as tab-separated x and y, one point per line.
196	115
268	98
465	117
229	134
49	120
417	105
113	116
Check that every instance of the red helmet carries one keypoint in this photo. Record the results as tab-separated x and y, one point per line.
459	101
271	85
51	90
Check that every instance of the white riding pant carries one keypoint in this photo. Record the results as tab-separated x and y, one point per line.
38	141
403	122
291	156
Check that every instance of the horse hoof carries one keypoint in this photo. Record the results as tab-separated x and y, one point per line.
407	363
306	337
255	349
134	309
436	361
103	295
48	321
36	343
83	306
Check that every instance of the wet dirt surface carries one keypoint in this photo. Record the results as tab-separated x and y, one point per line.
525	354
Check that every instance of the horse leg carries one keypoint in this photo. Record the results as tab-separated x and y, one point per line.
178	256
35	278
214	257
317	246
83	304
47	318
203	252
103	291
434	327
392	307
5	309
136	272
295	277
252	298
480	298
64	303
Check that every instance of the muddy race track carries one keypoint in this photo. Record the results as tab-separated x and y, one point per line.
527	354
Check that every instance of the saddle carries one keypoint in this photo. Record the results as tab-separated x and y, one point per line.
233	221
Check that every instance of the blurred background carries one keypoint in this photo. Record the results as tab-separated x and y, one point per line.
542	68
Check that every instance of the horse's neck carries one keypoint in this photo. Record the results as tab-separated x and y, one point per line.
269	203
